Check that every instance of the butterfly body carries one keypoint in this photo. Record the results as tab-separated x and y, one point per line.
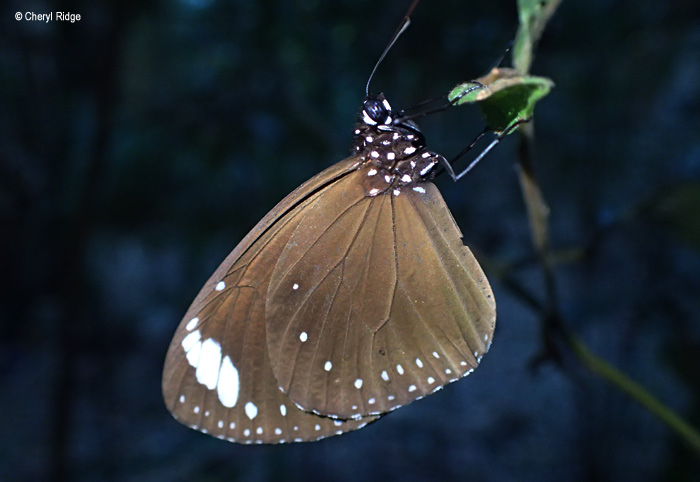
354	296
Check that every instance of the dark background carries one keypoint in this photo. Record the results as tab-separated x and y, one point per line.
140	144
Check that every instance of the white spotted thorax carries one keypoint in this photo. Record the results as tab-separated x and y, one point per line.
392	151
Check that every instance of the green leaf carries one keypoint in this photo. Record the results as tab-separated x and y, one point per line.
504	96
533	15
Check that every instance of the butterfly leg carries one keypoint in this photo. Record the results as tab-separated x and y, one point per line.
496	140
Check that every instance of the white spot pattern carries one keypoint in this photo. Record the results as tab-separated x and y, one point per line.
229	384
251	410
358	383
399	369
328	366
220	286
208	364
211	371
192	324
303	336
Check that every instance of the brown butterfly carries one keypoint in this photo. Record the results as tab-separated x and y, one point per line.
354	296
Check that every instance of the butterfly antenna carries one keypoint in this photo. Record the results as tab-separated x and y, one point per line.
405	22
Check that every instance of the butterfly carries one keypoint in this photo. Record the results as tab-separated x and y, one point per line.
353	297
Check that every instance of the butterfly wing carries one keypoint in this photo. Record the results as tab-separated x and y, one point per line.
217	376
375	302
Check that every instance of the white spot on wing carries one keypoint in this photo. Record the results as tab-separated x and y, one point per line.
409	150
372	172
192	324
228	386
190	340
435	354
399	369
419	363
193	353
251	410
412	388
328	366
295	286
220	286
278	431
431	380
385	376
196	409
283	410
419	189
390	155
208	364
182	399
303	336
358	383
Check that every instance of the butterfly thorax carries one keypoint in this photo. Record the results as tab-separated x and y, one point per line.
392	152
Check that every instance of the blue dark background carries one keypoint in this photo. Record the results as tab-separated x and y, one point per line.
140	144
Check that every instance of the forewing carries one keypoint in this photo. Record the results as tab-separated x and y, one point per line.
375	302
217	376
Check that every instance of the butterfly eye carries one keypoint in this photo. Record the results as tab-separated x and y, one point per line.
376	110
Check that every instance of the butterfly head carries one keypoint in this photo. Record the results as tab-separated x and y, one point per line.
376	110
